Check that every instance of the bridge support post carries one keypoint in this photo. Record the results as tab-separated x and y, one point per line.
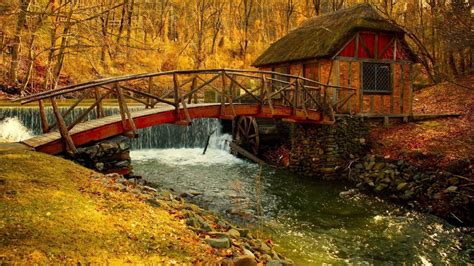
125	113
70	147
44	120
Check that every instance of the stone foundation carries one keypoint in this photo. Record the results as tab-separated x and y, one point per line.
107	156
320	150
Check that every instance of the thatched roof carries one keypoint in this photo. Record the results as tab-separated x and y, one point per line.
325	35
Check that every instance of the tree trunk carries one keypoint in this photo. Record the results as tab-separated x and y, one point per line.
462	64
452	63
20	23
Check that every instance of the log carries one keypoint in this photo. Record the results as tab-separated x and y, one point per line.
245	153
44	120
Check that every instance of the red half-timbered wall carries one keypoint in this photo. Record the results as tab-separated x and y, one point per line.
375	45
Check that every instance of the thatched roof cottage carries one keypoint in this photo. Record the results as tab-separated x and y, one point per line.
353	47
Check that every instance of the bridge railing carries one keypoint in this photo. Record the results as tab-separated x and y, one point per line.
227	87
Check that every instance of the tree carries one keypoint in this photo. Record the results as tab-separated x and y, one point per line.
24	4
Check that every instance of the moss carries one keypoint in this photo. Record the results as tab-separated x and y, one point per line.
324	35
51	211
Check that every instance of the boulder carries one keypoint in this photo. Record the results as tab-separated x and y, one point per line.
245	261
222	242
233	233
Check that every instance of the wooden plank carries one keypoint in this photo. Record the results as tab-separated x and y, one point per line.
356	52
382	104
372	100
361	89
338	81
401	88
392	67
349	83
411	90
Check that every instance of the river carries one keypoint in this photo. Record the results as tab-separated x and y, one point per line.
310	221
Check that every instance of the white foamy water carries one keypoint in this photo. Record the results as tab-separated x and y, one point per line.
12	130
186	156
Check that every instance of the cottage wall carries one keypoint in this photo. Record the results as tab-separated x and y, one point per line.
347	73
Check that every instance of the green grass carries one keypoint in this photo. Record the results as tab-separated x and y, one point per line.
52	211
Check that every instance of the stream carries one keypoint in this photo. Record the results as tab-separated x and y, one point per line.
310	221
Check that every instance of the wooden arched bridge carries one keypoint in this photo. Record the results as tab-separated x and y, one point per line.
178	97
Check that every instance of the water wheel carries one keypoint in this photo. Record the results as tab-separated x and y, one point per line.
247	135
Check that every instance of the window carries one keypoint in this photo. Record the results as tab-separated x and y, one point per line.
376	78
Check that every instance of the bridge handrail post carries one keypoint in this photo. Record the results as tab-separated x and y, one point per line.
268	92
150	87
223	93
295	97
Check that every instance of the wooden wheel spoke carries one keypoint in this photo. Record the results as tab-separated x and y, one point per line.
247	134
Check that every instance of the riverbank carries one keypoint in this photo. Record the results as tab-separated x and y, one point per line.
55	211
441	193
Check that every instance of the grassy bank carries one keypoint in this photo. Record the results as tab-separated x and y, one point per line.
51	211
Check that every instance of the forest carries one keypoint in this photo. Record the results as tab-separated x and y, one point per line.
46	43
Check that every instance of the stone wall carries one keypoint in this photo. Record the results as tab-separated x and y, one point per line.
107	156
320	150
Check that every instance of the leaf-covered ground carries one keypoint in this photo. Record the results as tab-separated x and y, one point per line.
447	142
51	211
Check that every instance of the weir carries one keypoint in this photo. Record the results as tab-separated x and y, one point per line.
161	136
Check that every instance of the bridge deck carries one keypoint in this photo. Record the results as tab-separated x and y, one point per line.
102	128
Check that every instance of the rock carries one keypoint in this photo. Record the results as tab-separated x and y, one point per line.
99	166
186	195
380	187
153	202
451	189
122	164
265	248
245	261
348	194
193	221
205	225
233	233
243	232
124	146
401	186
113	176
369	165
279	263
149	189
122	180
379	166
248	253
218	242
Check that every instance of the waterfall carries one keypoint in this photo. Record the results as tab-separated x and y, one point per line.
26	121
